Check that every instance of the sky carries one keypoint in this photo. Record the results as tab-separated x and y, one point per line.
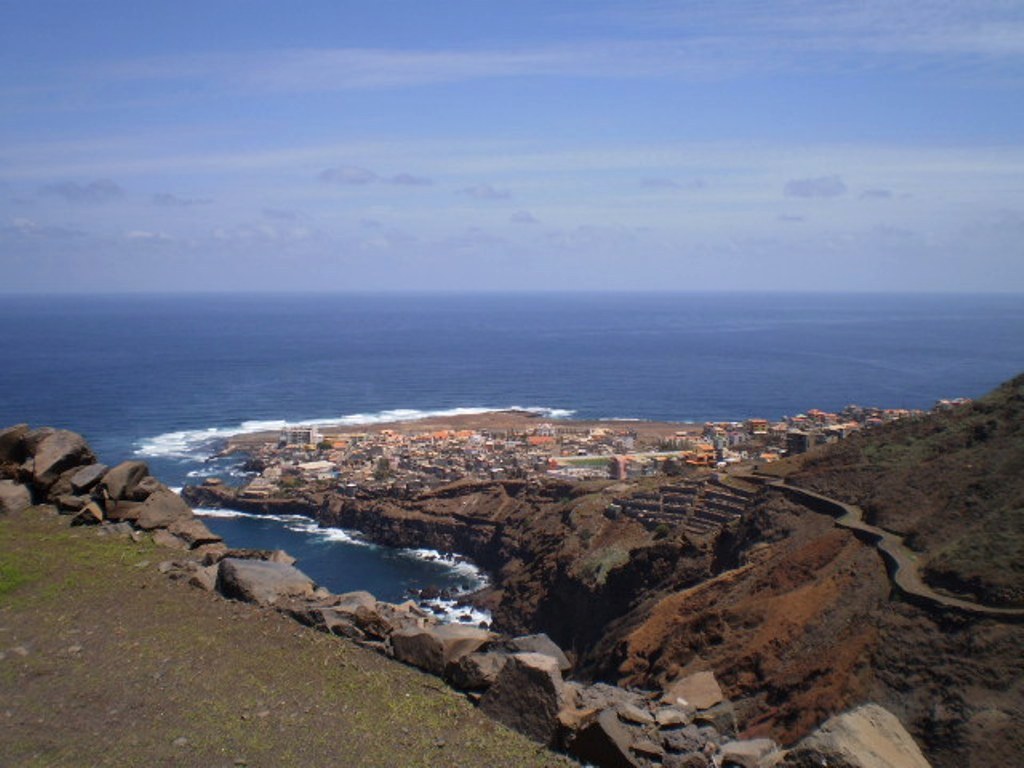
343	145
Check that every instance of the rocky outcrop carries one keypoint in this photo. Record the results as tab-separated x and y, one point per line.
527	696
56	452
867	737
261	581
434	648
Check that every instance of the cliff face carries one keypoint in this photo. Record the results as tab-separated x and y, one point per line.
560	566
796	617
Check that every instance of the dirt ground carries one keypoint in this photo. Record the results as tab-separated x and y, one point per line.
106	662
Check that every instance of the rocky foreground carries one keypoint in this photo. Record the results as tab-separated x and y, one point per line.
517	680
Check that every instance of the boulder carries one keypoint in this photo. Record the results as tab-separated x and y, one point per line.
261	581
527	696
57	452
194	532
71	504
721	717
606	742
120	480
433	648
603	696
144	488
90	514
161	509
476	671
539	643
700	690
674	716
631	713
123	511
683	740
751	753
86	477
14	497
12	444
204	577
164	538
866	737
61	486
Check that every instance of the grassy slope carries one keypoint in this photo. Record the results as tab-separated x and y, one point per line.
103	661
953	483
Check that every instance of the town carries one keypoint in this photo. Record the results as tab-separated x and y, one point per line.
411	457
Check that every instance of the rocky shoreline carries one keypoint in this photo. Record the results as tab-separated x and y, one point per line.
517	680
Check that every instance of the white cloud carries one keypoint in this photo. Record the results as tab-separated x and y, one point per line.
820	186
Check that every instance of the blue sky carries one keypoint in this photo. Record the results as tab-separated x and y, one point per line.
339	146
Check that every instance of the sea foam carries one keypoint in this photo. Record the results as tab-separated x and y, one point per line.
202	444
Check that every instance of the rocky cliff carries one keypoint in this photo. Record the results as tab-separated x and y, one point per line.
797	617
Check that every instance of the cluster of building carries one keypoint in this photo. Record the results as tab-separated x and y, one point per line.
413	459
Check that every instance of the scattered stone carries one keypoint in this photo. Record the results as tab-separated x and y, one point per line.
12	444
606	742
476	671
14	497
204	578
631	713
671	717
866	737
700	690
687	739
90	514
116	529
164	538
180	742
70	504
143	489
754	753
721	717
83	480
527	696
261	581
433	648
538	643
56	453
194	532
161	509
120	480
127	511
648	749
74	649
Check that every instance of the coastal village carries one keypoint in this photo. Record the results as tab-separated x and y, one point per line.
412	457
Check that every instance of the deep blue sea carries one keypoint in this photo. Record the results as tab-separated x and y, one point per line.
162	377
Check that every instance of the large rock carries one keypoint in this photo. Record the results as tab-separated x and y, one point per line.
193	532
12	444
261	581
119	482
527	696
14	497
86	477
751	753
57	452
90	514
539	643
867	737
700	690
606	742
144	488
476	671
433	648
162	509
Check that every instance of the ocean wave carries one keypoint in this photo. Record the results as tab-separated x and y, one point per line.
453	612
454	563
202	444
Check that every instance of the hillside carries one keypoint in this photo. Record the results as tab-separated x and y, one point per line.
952	484
105	661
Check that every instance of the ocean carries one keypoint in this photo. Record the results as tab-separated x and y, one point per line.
163	377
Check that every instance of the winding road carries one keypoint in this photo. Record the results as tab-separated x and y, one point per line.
900	562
